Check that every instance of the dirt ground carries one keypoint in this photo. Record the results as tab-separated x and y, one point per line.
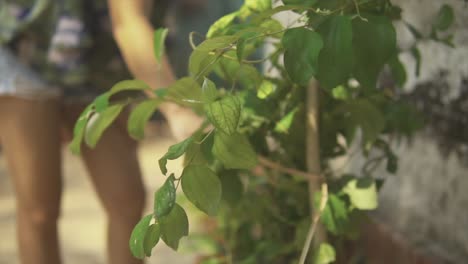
82	224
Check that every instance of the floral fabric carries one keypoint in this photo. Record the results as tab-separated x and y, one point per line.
69	43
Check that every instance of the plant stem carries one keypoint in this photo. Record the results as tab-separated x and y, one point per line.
314	224
313	149
276	166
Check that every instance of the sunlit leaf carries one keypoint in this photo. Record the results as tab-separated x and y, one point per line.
325	254
340	92
254	6
221	24
265	89
285	123
362	193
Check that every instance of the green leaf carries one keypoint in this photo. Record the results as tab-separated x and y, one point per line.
270	26
185	91
362	193
216	43
285	123
99	122
201	63
374	43
209	92
364	114
195	153
233	71
174	152
160	92
79	130
202	187
220	25
224	114
159	40
325	254
266	88
416	34
335	215
417	56
240	47
269	13
340	93
164	198
392	164
140	116
101	102
151	238
137	237
231	185
234	151
445	18
398	70
254	6
128	85
300	2
174	226
336	57
302	51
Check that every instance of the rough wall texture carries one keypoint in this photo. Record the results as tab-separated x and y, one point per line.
425	205
427	202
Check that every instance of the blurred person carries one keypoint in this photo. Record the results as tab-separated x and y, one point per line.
55	57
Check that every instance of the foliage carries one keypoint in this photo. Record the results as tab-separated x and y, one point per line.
264	212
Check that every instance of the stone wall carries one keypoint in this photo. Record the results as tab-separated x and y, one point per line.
426	203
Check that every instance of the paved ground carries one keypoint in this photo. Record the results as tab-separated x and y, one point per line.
82	226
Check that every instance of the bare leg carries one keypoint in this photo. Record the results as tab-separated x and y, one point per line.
115	172
29	131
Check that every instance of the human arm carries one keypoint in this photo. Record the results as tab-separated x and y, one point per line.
133	33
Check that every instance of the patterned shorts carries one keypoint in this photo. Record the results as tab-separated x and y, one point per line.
18	80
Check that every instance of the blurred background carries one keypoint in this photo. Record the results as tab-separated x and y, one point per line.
423	210
83	222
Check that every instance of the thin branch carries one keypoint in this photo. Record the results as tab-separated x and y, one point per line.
276	166
313	226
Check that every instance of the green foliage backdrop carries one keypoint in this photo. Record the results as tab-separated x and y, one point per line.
246	164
